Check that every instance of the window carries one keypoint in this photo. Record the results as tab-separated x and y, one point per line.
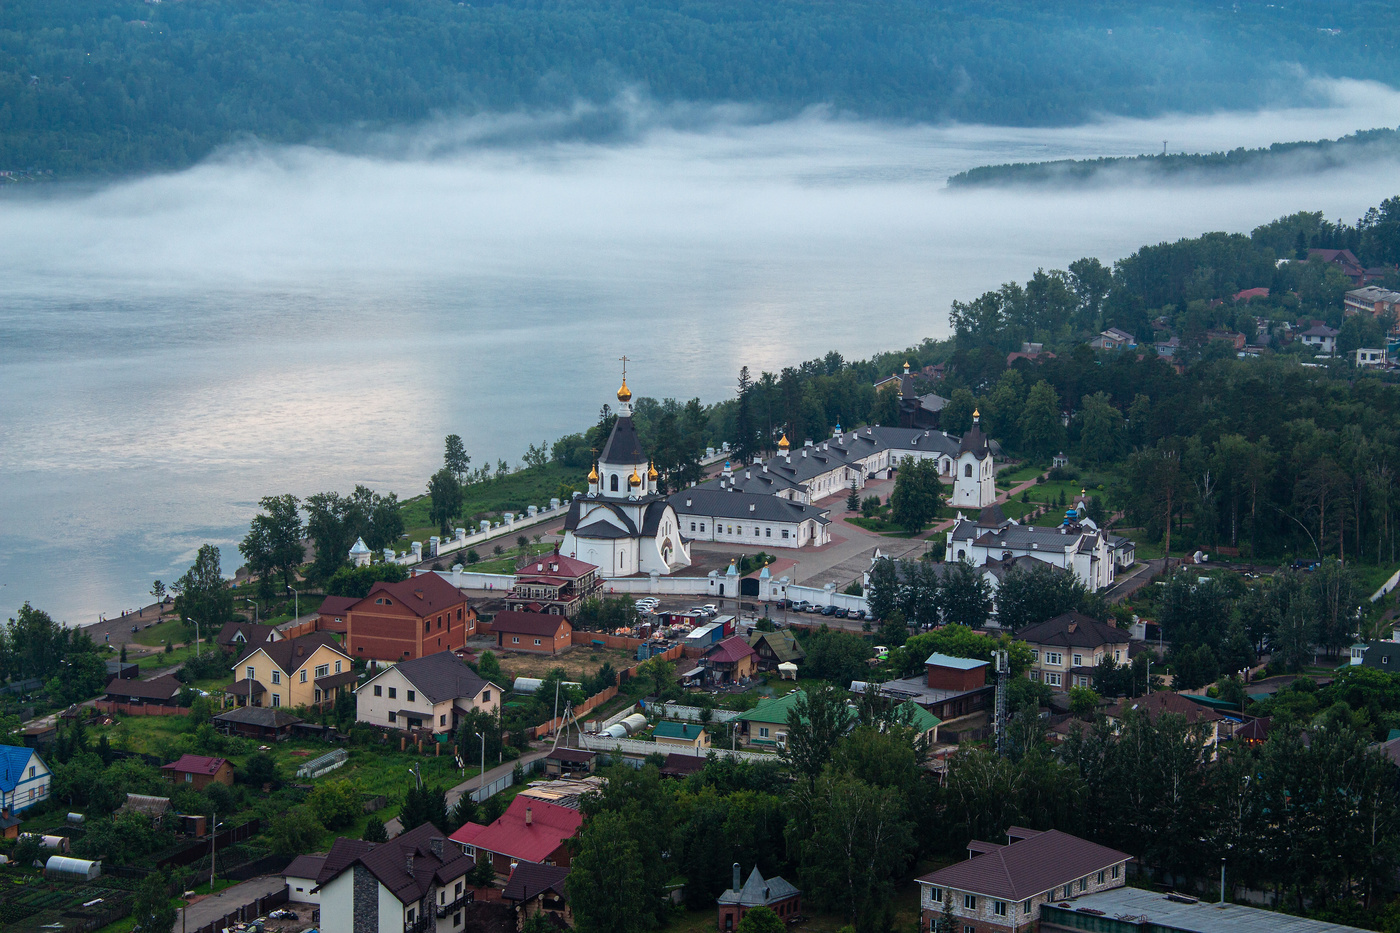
337	667
1078	660
457	919
408	915
378	690
1117	655
612	483
303	675
692	526
537	641
969	901
442	720
31	770
393	693
1034	675
935	895
189	779
1083	885
252	673
768	532
412	695
702	526
439	621
459	614
1115	871
1054	657
515	639
969	928
999	908
322	670
486	696
763	732
277	699
967	469
1069	890
393	717
276	677
785	533
1100	879
318	694
1035	654
427	626
1026	908
1052	679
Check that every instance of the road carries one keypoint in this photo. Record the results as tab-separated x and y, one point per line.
212	908
394	827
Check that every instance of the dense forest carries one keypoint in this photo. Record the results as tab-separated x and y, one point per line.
106	86
1233	166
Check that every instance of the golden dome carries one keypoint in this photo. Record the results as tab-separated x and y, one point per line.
624	394
783	442
976	413
593	474
635	479
651	472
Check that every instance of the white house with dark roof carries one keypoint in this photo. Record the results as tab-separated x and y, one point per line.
708	514
433	692
624	525
1076	545
1320	337
1001	888
415	882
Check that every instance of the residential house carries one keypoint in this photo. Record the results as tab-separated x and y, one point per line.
564	760
554	585
684	734
1077	544
529	831
256	722
1249	294
409	619
775	893
534	632
1375	301
24	779
766	725
1379	655
305	671
432	692
1114	339
774	648
958	674
950	689
123	670
239	636
300	877
198	771
1321	338
1235	340
334	613
1001	888
731	661
1212	725
1066	649
162	691
1345	260
1369	358
682	766
415	882
539	889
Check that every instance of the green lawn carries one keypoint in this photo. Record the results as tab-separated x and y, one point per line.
513	492
1020	474
504	564
156	635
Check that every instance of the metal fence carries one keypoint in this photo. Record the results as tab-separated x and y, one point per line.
495	787
250	911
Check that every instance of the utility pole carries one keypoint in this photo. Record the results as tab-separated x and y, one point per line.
213	846
1003	671
481	778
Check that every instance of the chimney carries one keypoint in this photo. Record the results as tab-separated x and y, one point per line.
1072	626
748	474
752	506
737	885
435	844
529	816
408	862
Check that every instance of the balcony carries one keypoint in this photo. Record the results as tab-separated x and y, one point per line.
424	924
445	909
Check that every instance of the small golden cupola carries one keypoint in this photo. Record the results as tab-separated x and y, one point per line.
651	472
783	442
593	474
635	479
624	394
976	413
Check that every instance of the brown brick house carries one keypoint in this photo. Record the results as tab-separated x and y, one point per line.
554	585
774	893
415	617
532	631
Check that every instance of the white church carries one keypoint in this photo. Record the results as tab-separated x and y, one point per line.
975	485
623	525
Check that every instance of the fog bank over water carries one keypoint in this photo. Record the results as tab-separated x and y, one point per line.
296	320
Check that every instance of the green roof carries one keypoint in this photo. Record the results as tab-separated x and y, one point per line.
669	729
773	709
784	645
921	719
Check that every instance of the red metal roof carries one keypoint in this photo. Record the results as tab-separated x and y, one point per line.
731	650
195	764
558	565
550	824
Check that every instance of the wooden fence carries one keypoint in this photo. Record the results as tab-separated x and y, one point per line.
139	709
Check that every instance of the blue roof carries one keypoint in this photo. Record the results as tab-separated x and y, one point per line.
961	664
13	760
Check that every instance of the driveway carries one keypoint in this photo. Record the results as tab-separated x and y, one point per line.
209	909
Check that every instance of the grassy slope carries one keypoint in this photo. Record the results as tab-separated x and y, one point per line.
513	492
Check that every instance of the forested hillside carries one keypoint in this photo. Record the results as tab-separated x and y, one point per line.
92	86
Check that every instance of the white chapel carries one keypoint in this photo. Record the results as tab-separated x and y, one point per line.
975	483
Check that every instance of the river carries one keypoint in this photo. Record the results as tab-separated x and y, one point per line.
295	320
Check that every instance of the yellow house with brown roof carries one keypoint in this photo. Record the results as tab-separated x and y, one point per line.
306	671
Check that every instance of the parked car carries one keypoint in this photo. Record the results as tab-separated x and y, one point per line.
828	610
858	614
711	609
801	606
842	613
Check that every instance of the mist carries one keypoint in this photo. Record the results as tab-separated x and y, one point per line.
300	319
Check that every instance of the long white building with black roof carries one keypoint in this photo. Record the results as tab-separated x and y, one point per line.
1076	545
732	517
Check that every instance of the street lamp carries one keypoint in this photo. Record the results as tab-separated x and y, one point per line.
255	609
196	634
481	779
296	602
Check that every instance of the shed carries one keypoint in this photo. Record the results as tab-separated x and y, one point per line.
256	722
63	868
